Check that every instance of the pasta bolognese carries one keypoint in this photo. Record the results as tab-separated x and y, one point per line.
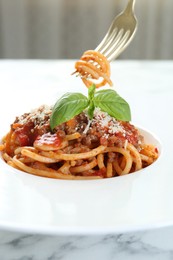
77	149
80	137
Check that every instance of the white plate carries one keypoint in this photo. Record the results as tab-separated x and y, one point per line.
141	200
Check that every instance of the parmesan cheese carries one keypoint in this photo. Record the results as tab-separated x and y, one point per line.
106	122
36	115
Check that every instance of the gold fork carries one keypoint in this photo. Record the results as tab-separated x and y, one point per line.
120	33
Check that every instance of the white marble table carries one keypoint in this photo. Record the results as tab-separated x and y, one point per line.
152	243
146	245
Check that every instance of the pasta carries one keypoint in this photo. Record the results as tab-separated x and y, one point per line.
77	149
93	66
90	144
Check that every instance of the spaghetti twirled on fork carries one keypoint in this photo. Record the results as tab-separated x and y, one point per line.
93	67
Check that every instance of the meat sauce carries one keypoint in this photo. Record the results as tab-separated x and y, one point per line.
28	129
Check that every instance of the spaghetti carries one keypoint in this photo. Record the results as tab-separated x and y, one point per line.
77	149
93	66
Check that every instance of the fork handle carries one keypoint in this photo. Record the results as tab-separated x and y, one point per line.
130	6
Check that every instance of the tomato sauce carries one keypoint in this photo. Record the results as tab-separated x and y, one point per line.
48	139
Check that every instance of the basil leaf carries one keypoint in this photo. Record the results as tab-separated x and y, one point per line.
109	101
68	106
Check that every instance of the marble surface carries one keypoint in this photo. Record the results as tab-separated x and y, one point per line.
149	244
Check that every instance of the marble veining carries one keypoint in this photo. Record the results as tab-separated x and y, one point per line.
150	245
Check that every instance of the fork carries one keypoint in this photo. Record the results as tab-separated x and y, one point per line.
120	33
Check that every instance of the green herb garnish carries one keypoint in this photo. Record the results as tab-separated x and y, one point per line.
72	104
109	101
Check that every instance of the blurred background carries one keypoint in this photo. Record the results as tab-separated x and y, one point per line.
64	29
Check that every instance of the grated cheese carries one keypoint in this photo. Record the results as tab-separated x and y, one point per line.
105	121
87	127
36	115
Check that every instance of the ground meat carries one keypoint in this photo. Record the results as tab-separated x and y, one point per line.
30	125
